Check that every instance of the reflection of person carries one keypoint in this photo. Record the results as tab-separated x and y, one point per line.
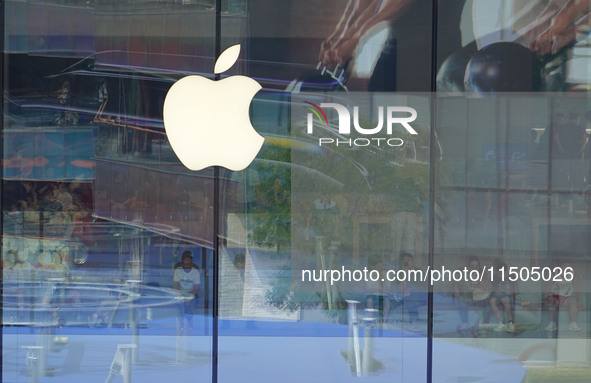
187	279
468	293
507	45
510	52
563	293
405	61
563	27
502	297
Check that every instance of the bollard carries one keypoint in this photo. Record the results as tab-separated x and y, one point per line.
351	321
369	323
45	338
127	351
354	348
32	362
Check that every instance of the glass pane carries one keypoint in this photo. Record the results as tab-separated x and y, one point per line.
513	192
302	205
98	212
506	299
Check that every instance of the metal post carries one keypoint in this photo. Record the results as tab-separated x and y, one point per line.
369	323
133	286
432	184
351	321
128	351
320	251
357	349
354	349
32	362
216	220
45	343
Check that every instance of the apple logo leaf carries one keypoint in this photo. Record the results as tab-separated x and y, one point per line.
227	59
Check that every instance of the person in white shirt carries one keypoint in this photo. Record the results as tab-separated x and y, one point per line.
187	279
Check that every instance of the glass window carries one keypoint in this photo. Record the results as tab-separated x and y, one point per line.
107	239
418	211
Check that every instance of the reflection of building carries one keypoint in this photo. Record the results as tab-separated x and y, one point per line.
97	211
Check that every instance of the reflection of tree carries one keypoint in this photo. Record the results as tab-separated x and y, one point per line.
371	177
282	296
271	215
363	182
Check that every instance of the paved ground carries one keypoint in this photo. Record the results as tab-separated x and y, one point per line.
261	351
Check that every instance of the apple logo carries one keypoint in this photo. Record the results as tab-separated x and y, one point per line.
207	122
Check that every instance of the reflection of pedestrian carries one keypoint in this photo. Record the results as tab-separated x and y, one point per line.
508	54
187	279
564	27
563	293
502	297
405	61
473	294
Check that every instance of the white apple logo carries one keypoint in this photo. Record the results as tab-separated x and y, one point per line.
207	122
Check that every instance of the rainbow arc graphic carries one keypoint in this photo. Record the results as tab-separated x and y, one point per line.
315	110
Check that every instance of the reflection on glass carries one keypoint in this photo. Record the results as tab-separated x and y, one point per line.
99	216
301	211
524	239
97	211
68	278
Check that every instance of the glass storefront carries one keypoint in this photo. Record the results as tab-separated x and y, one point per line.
418	212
